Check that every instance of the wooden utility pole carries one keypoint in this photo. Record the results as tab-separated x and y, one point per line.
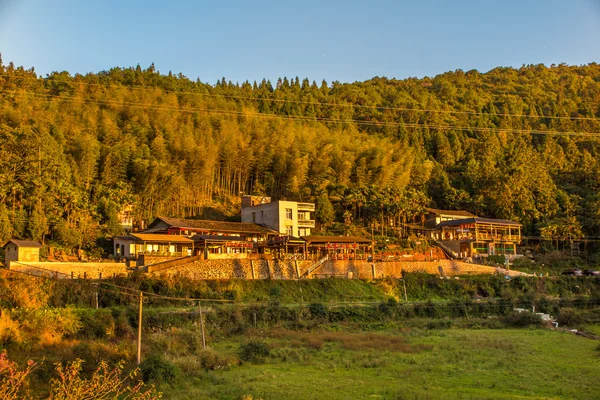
139	349
202	326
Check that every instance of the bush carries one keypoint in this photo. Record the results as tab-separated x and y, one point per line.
96	324
211	360
523	319
439	324
158	370
318	310
569	317
254	351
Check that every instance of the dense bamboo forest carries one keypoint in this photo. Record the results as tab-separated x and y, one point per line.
519	144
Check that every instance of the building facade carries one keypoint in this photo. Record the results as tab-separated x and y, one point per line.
21	250
289	218
480	237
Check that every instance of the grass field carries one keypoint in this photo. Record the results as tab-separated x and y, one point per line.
403	364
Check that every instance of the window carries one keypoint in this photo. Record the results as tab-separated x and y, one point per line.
289	230
288	213
253	217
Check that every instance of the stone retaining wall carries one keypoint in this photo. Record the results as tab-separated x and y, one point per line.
364	269
238	269
65	269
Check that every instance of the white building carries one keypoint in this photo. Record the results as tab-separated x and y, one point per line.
287	217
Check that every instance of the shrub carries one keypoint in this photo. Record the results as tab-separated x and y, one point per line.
96	324
523	319
569	317
158	370
439	324
106	382
318	310
13	379
254	351
211	360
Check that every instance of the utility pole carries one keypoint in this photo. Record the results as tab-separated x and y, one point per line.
202	326
405	295
97	301
139	349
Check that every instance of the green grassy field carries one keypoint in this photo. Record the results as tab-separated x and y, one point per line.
403	364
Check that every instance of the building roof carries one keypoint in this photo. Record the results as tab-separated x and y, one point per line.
218	226
336	239
217	238
478	221
153	237
24	243
458	213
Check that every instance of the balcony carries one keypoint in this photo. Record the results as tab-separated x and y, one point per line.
306	223
306	207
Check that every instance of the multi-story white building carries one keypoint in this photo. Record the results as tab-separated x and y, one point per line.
287	217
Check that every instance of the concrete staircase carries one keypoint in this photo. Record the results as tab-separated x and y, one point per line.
447	248
316	265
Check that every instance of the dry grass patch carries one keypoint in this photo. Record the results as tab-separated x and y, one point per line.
349	341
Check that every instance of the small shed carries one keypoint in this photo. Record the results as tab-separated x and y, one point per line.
22	250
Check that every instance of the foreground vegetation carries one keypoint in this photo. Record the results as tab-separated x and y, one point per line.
333	338
402	363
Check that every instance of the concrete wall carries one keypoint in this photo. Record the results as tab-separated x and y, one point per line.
265	214
273	215
64	269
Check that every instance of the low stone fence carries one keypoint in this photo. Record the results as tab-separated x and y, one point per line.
68	270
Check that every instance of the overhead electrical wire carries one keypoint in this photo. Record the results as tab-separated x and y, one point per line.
267	99
72	99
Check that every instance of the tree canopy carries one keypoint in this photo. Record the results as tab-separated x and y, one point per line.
511	143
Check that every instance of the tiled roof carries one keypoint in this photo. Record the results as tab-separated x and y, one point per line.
24	243
451	212
336	239
152	237
216	226
213	238
478	221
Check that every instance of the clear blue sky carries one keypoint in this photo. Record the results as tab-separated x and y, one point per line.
333	40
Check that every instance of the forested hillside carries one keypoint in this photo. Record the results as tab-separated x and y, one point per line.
519	144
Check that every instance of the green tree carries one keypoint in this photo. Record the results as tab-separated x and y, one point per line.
324	210
37	225
5	225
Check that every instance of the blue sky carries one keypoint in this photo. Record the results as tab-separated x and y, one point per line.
333	40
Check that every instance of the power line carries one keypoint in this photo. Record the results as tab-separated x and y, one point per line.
359	106
159	296
72	99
